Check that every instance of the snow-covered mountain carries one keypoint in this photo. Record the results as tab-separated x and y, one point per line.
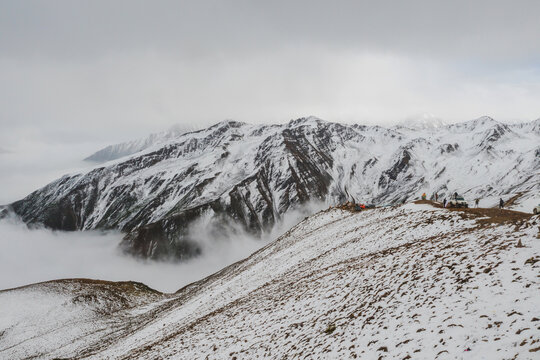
407	282
236	174
116	151
425	121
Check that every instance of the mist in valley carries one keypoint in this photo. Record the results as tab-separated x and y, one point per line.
31	255
35	255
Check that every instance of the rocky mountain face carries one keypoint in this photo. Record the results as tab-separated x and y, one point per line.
406	282
235	176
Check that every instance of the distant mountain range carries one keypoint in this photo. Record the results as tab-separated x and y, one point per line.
234	174
116	151
423	122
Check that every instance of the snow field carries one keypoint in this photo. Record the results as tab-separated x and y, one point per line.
407	282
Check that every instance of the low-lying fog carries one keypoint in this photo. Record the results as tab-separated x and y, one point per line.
29	256
34	255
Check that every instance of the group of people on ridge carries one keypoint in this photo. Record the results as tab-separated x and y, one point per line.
455	195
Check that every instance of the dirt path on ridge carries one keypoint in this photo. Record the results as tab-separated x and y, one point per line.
486	215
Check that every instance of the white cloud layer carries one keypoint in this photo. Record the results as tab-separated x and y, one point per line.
35	255
30	256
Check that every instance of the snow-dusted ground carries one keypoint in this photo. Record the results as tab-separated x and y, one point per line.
409	282
41	319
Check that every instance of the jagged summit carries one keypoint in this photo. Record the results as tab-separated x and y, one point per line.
484	119
228	123
253	175
423	122
310	121
481	123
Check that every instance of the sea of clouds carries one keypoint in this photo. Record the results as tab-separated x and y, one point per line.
38	254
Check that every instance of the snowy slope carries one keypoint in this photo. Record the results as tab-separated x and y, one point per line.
249	176
406	282
53	314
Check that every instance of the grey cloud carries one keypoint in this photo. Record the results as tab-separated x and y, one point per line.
499	29
110	71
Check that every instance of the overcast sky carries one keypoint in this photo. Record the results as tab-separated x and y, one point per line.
107	71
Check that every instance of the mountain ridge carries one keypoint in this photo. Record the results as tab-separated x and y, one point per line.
120	150
234	173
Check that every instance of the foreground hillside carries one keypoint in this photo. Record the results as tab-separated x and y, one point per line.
251	176
408	282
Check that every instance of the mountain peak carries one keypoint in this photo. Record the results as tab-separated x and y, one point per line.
425	121
479	124
485	120
311	120
117	151
230	123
